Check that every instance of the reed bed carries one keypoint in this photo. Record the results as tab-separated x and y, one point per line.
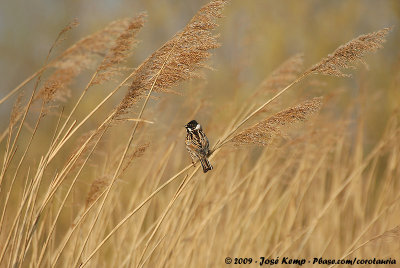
114	187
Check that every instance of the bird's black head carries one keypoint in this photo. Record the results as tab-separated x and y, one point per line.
192	125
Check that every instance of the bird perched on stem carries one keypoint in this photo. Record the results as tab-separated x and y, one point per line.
197	144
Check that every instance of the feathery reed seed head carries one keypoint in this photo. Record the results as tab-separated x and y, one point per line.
16	110
137	152
92	47
283	75
66	29
180	59
345	55
263	132
56	86
120	51
84	55
97	187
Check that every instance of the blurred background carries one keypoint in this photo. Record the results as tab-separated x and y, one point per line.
256	36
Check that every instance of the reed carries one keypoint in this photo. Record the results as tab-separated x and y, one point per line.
112	186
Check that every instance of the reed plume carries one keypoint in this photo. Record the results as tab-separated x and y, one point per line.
330	65
95	189
281	76
179	59
111	43
16	110
56	86
344	56
63	32
89	50
137	152
263	132
120	51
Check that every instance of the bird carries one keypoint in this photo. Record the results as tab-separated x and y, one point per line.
197	144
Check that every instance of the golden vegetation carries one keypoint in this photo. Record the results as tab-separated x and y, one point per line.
114	188
263	132
354	50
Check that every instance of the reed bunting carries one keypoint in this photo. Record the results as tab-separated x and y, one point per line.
197	144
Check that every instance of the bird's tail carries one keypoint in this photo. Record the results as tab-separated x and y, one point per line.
205	164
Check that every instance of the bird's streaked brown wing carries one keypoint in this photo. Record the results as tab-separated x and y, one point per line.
194	142
204	142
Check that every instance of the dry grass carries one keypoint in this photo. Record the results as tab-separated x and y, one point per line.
114	187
